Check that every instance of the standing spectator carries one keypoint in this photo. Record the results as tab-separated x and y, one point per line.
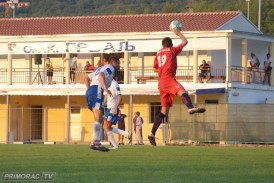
255	64
138	128
267	68
165	63
73	67
205	72
49	68
88	67
121	126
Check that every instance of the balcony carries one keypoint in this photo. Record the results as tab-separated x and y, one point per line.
137	75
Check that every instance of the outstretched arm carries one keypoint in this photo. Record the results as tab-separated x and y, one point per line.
181	36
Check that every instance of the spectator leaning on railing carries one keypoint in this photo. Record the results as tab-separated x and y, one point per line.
267	68
254	63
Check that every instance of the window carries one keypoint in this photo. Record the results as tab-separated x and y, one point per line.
155	108
75	109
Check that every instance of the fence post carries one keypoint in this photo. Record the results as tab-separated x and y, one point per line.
130	115
68	121
46	125
7	119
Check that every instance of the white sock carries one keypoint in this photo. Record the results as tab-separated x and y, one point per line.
96	132
112	139
119	131
100	133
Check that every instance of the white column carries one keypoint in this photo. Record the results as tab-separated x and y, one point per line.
67	68
29	58
244	60
228	59
126	68
9	68
142	60
195	66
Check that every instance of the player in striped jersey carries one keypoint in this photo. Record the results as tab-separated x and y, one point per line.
165	63
97	83
111	116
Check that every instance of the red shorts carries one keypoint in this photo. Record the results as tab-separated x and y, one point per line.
168	89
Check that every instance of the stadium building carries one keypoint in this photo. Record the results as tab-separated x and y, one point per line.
33	110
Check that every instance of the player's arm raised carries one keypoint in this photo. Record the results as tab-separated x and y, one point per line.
181	36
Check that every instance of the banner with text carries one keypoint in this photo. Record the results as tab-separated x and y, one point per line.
106	46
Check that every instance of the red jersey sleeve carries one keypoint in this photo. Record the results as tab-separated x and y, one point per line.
177	49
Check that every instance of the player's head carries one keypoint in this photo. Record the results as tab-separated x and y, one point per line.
105	60
115	62
167	42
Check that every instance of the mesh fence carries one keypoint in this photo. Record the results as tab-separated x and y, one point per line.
222	123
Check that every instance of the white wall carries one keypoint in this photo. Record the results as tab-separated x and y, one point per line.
240	23
251	96
218	59
236	52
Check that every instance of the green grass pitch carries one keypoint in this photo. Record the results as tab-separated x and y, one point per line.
77	163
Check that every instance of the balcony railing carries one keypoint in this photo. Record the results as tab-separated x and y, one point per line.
252	76
136	75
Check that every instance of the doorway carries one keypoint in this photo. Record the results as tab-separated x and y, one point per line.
17	123
36	122
75	123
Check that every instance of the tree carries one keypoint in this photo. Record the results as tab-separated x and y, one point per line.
130	12
146	10
169	8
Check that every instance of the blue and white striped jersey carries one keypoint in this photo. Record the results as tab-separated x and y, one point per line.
108	71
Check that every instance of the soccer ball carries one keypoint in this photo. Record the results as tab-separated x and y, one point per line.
176	24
